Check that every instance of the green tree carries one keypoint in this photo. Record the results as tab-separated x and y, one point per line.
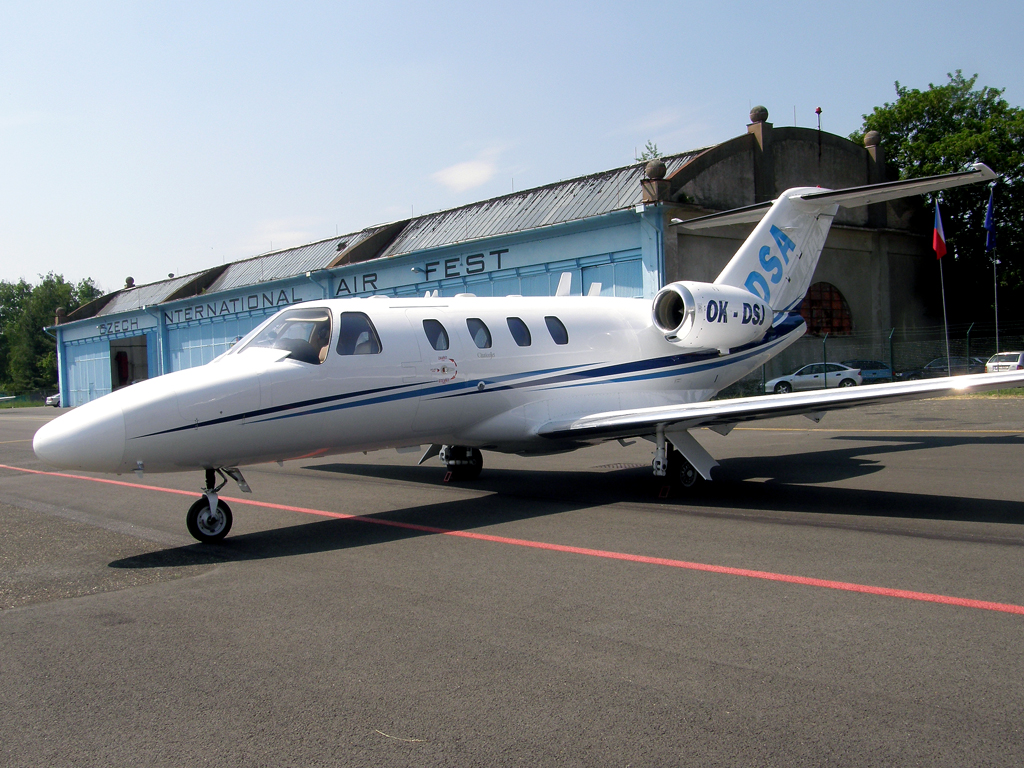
13	297
650	152
942	130
31	354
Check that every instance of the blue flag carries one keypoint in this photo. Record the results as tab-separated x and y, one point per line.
990	226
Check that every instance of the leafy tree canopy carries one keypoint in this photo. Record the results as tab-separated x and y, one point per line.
28	356
942	130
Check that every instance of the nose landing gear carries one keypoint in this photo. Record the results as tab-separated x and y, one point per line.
209	519
207	525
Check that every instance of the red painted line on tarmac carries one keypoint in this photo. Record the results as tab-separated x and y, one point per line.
904	594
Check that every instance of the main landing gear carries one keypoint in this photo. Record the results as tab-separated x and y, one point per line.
680	471
209	519
463	462
672	465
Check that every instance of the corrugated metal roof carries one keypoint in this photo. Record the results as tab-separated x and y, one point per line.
285	263
143	295
557	203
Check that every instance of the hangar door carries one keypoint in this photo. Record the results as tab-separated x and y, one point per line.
88	367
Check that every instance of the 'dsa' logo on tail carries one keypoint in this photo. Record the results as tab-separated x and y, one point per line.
774	269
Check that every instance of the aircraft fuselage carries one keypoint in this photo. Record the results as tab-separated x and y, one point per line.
505	368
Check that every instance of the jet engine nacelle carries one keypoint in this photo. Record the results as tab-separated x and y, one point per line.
707	316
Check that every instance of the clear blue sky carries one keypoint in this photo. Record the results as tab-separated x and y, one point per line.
141	138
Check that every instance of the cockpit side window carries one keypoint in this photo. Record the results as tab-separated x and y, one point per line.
436	334
480	333
305	333
358	336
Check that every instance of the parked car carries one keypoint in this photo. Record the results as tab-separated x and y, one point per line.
938	367
815	376
871	371
54	400
1005	361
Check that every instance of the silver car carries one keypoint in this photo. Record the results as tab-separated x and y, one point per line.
1005	361
815	376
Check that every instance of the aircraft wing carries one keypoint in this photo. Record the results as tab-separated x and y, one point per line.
722	415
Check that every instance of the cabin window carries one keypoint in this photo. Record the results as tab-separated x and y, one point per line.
358	336
558	333
481	335
305	333
519	331
436	334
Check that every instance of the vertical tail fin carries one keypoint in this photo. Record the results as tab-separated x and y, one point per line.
777	261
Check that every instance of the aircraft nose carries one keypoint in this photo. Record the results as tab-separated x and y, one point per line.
91	437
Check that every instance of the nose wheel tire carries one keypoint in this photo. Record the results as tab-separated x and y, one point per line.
207	526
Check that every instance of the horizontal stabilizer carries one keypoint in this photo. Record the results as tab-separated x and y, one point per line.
748	214
852	197
893	190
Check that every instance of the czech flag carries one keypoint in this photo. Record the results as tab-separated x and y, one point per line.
938	237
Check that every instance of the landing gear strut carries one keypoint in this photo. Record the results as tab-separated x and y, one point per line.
670	464
209	519
463	463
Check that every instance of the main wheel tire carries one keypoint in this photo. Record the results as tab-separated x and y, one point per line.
465	463
847	383
207	527
681	472
783	387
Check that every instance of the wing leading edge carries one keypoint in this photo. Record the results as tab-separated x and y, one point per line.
724	414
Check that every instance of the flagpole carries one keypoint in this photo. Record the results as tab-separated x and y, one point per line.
939	244
945	323
990	245
995	292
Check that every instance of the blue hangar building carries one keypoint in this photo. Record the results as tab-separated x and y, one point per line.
612	231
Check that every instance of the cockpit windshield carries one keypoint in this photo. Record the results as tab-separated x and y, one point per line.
305	333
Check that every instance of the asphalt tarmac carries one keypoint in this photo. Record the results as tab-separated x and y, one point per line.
846	593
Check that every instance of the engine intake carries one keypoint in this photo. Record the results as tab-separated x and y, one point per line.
707	316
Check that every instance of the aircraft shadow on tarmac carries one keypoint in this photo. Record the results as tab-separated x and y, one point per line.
787	483
339	534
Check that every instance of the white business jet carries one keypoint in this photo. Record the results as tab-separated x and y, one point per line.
518	375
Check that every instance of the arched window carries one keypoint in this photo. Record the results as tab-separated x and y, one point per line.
479	331
519	331
436	334
557	330
825	310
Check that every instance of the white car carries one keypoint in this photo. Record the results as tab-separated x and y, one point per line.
1005	361
54	400
815	376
